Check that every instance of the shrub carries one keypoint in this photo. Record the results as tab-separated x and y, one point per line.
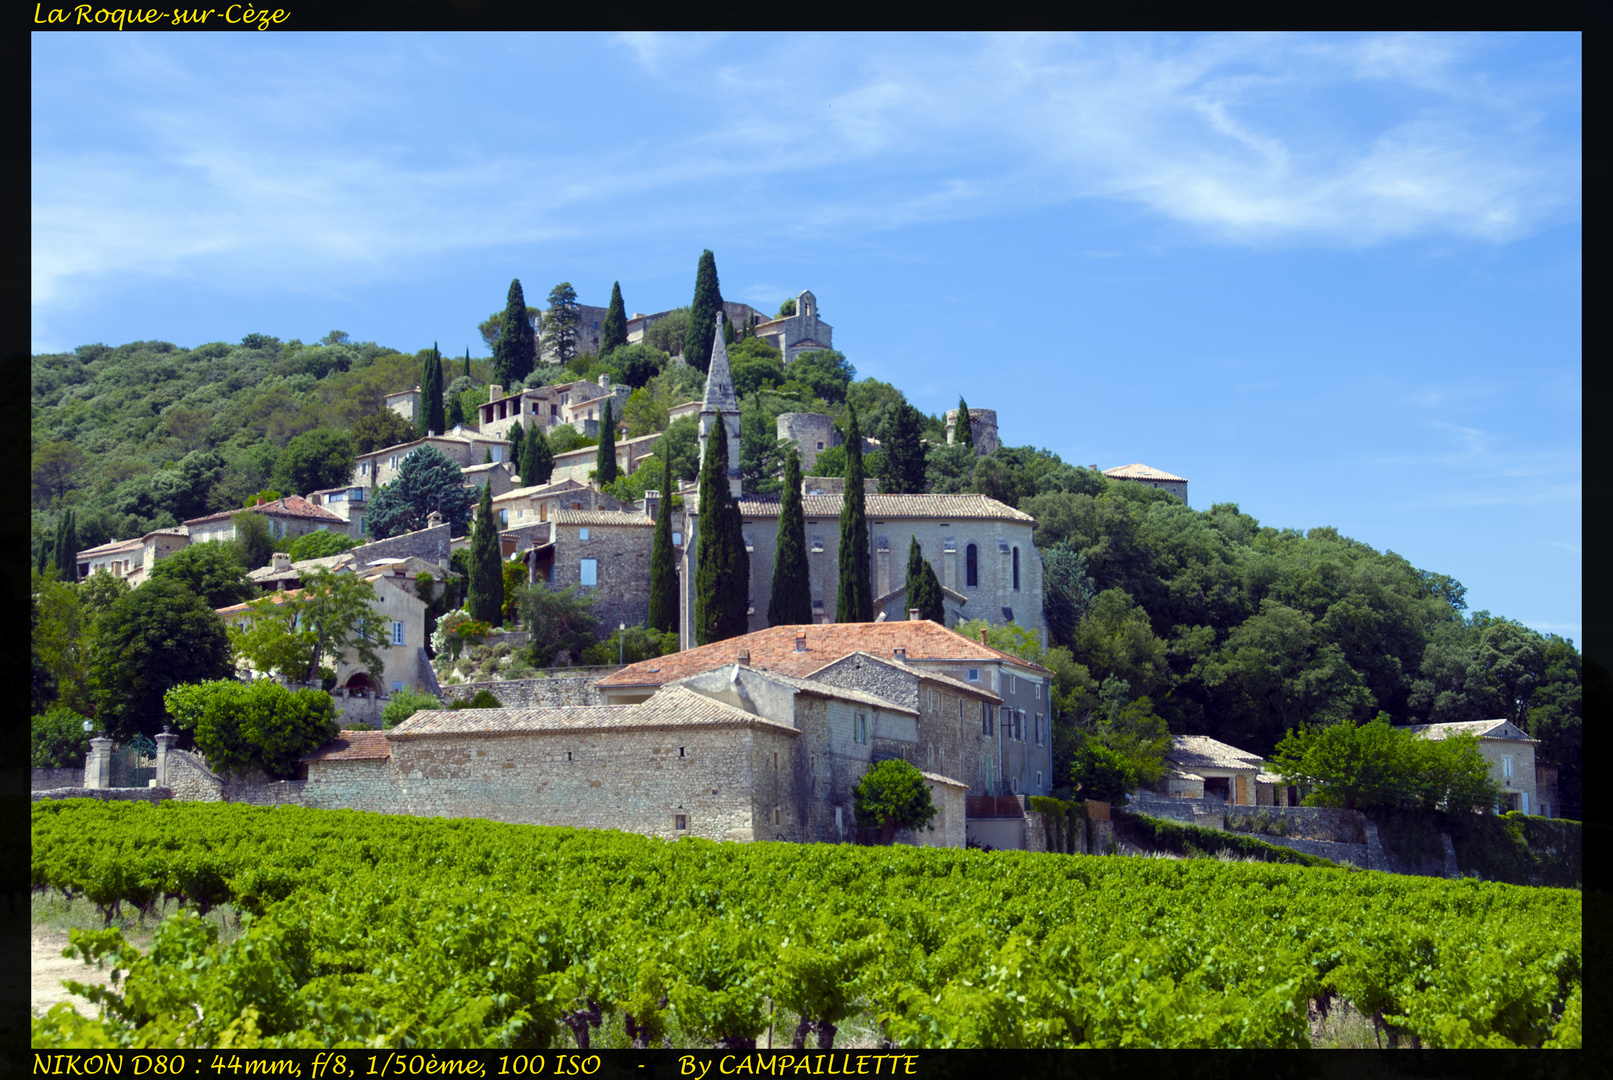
404	704
893	795
59	739
260	725
482	699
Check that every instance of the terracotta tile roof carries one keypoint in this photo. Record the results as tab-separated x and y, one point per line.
941	677
274	597
773	649
1484	729
1202	752
1137	471
947	780
601	517
293	506
111	546
673	707
539	490
354	746
880	507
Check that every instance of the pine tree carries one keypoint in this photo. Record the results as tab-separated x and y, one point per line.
923	590
963	431
561	321
485	598
613	330
517	446
855	599
703	313
537	458
516	351
791	602
901	465
663	569
722	568
605	458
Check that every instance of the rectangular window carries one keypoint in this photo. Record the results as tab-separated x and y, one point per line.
985	718
974	674
817	542
680	822
504	519
677	538
1019	725
775	761
860	732
397	633
1013	684
364	468
588	572
397	685
1006	718
1506	767
1038	689
582	533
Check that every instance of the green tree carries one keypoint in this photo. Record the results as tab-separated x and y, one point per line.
791	600
964	430
613	330
826	371
560	622
210	570
635	366
722	567
517	444
761	451
902	464
537	458
1103	774
485	599
243	727
893	795
923	590
663	614
786	309
379	430
315	460
67	547
432	415
560	323
1375	766
630	646
59	740
330	618
253	543
320	545
515	352
854	601
679	446
98	592
427	480
159	636
669	333
405	703
605	457
61	643
703	313
56	470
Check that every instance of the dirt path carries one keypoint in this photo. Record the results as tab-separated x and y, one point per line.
49	967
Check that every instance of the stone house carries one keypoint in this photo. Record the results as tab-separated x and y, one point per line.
290	516
132	560
500	474
606	554
579	405
1510	752
982	430
738	314
579	465
348	503
795	334
1152	477
406	403
525	505
1199	767
985	715
403	656
462	446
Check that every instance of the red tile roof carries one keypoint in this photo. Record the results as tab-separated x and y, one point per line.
1138	471
294	506
773	649
354	746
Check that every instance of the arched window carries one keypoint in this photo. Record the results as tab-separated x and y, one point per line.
1016	569
971	566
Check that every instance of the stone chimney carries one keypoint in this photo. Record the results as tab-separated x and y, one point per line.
652	503
494	392
800	641
912	614
604	381
744	656
982	635
282	560
900	654
433	519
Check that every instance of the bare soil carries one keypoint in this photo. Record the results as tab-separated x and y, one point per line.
48	967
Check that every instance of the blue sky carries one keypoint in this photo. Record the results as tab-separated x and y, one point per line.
1335	279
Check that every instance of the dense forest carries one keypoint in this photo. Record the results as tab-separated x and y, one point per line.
1208	619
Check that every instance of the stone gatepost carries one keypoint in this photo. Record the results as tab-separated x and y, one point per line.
165	743
98	766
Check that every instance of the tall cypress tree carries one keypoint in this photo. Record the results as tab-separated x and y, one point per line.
517	447
485	597
703	313
791	602
516	351
964	432
537	458
722	568
46	549
901	465
663	569
436	416
855	599
67	546
613	330
467	363
727	330
605	458
923	590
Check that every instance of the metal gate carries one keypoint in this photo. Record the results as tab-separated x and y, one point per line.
134	764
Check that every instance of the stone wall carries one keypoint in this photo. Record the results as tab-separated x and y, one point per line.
532	693
1354	854
812	434
430	544
1302	822
191	780
621	557
48	779
152	795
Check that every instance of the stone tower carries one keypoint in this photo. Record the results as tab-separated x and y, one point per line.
721	402
982	425
812	434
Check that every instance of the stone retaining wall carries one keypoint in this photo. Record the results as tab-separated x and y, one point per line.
1303	822
49	779
152	795
1354	854
532	693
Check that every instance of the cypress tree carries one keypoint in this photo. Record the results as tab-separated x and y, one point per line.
923	590
605	458
436	418
791	602
485	597
45	548
456	411
516	351
702	313
467	363
663	570
613	330
964	432
537	459
67	546
517	448
901	466
727	330
722	568
855	599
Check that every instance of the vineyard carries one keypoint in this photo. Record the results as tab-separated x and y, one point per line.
363	930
